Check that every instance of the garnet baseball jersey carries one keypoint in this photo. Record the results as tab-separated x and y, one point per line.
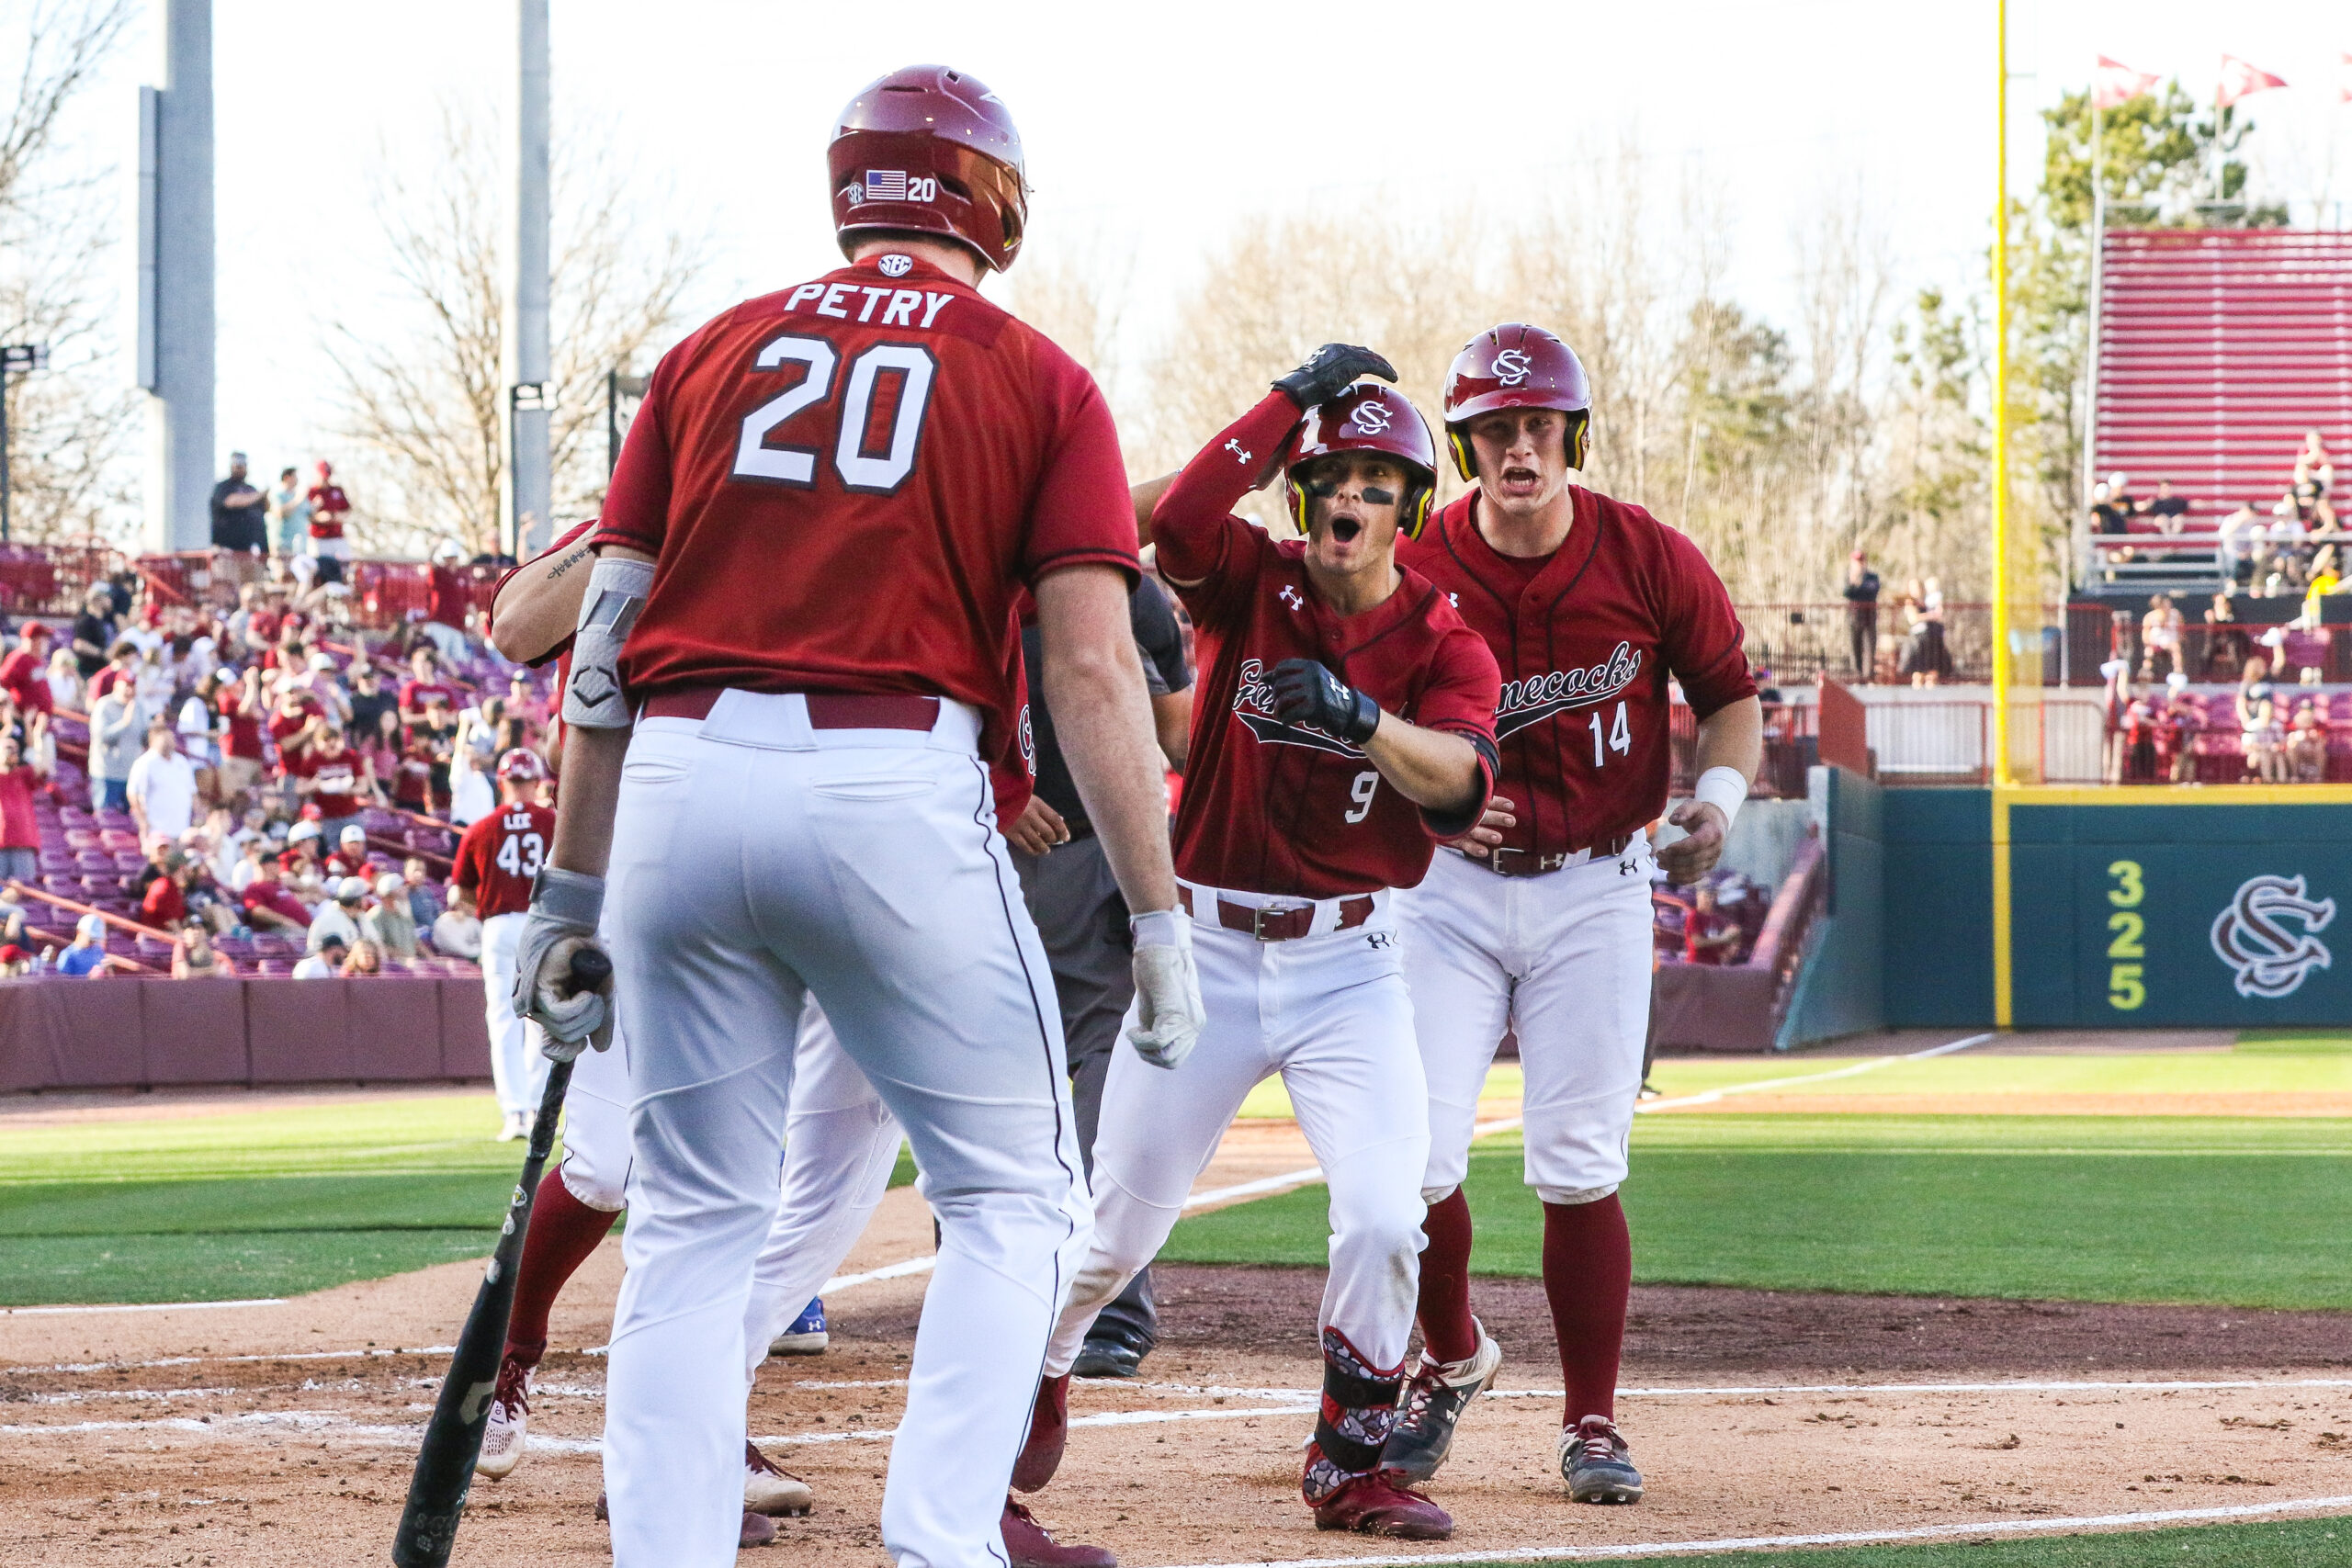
1585	641
844	483
1278	808
498	856
335	778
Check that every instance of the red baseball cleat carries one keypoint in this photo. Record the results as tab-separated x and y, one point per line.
1378	1504
1030	1545
1048	1432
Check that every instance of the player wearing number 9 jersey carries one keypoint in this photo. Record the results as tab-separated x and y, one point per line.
496	860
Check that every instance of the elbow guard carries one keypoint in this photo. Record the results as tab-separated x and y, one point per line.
616	591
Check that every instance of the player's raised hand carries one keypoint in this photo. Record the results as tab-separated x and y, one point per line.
1332	369
1168	1009
1306	693
1480	841
563	921
1688	859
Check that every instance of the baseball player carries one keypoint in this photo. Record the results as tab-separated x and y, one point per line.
783	674
1540	923
1343	728
496	860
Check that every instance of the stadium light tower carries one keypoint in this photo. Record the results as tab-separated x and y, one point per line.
175	286
530	390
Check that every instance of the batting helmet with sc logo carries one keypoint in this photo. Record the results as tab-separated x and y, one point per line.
1368	417
1516	366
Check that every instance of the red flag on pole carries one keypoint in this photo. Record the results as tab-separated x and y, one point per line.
2115	83
2240	80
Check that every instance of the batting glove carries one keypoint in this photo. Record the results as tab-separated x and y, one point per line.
1306	693
1168	1009
1330	370
564	910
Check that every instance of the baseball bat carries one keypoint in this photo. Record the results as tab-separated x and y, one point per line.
444	1463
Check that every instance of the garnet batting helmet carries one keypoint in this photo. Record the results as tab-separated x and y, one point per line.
1368	417
520	763
930	151
1516	366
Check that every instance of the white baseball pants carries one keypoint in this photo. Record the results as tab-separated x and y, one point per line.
755	862
517	1070
1330	1013
1563	958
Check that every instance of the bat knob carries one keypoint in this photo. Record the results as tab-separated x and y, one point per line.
590	970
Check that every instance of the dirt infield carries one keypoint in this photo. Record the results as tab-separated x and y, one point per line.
282	1434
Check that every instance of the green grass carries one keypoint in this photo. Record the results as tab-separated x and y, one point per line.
269	1202
2239	1212
2289	1543
2294	1041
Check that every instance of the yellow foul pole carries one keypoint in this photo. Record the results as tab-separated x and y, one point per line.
2004	660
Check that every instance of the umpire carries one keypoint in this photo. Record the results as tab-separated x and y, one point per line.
1083	921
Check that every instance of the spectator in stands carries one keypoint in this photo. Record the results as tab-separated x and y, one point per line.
24	673
437	735
2160	633
199	726
2177	728
366	959
87	955
2226	645
390	924
161	786
2306	758
65	681
94	631
523	695
14	962
240	707
369	701
425	905
447	595
268	904
300	866
2170	511
473	760
2314	475
1861	618
19	828
114	749
1927	659
349	857
329	510
2257	711
324	962
2107	517
339	781
457	932
2139	738
164	903
193	956
291	509
426	679
121	669
252	864
237	518
1709	935
340	916
12	915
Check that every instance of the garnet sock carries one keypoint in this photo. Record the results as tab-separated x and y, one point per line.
563	1232
1588	1273
1447	1332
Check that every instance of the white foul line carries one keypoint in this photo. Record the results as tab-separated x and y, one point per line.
1837	1538
1713	1095
141	1306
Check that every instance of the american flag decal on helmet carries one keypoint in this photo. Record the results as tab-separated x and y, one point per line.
886	185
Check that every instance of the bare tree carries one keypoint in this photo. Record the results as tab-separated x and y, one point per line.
71	424
425	400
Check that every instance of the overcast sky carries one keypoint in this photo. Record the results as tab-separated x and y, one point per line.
1151	129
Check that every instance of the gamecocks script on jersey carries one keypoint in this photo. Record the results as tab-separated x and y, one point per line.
1253	704
1538	697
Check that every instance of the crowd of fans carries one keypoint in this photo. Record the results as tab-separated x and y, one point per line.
2288	545
290	786
1715	921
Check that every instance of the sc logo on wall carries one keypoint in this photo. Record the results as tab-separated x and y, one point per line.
2269	934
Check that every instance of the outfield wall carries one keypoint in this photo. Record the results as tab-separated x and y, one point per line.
58	1033
2103	908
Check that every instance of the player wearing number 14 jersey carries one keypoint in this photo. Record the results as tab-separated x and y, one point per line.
496	860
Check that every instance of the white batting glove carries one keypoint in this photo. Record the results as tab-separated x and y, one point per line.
565	905
1168	989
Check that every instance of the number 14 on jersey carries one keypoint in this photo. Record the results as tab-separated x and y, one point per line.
1618	737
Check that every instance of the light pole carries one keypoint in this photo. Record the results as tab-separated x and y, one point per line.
618	384
15	359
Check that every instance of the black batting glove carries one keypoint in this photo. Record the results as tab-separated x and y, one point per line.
1306	693
1330	370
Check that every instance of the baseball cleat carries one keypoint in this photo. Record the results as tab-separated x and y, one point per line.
1380	1503
1430	1406
1111	1356
510	1419
1031	1545
1596	1465
767	1490
1041	1452
755	1530
806	1335
511	1128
